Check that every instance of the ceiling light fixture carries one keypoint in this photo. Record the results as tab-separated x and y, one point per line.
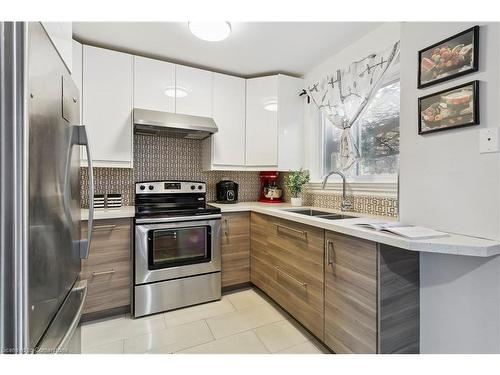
210	31
175	92
271	106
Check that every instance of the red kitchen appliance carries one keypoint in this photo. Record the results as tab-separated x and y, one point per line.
269	190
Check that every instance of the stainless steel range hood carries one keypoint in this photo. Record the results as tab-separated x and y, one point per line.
173	124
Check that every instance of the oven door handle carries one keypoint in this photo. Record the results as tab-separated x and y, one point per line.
177	219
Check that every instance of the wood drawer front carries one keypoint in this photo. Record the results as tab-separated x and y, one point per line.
290	269
350	294
107	269
235	248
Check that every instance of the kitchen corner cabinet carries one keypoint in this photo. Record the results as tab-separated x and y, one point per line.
61	34
287	264
226	148
235	249
274	122
76	72
194	91
371	297
107	106
107	269
154	84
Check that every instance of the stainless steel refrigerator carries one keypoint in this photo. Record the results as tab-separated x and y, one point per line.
41	295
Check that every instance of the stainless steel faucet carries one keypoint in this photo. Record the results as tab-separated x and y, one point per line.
345	206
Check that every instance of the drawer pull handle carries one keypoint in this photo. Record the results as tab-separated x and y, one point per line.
226	231
101	273
301	233
329	252
303	285
104	227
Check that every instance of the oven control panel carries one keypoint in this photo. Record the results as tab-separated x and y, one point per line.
163	187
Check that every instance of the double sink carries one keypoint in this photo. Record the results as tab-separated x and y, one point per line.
319	214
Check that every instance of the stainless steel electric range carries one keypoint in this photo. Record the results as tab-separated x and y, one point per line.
177	252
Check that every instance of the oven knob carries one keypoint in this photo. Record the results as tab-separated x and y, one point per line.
200	187
142	187
193	187
151	187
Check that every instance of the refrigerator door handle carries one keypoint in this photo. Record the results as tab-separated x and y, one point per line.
83	140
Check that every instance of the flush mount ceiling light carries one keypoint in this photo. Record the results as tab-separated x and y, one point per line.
210	31
175	92
271	106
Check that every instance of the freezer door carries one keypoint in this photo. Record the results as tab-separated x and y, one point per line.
54	183
63	334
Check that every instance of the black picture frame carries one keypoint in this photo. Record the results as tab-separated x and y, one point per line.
475	57
475	108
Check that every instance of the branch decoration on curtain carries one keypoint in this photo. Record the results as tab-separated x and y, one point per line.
343	96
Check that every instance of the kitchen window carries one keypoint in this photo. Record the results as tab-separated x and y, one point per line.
376	134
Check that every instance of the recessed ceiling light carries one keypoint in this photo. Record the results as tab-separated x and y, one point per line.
210	31
271	106
175	92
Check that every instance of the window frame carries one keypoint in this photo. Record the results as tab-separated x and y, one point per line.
383	184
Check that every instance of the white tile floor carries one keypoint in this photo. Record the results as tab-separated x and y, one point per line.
244	322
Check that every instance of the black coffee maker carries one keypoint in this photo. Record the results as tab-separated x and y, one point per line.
227	191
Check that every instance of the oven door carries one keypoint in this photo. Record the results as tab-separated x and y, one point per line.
171	250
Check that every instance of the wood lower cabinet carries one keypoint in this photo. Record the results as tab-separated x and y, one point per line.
371	297
287	264
235	248
107	269
350	294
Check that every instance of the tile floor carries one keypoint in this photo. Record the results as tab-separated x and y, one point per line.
243	322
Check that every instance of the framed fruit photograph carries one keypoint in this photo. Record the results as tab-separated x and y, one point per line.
449	58
451	108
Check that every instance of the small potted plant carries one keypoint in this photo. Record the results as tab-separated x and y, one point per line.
295	182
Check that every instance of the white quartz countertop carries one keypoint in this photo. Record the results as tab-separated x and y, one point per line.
454	244
109	213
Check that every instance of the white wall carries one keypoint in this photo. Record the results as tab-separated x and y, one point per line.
377	40
445	183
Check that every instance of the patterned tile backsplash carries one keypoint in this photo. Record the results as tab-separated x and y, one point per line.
374	205
166	158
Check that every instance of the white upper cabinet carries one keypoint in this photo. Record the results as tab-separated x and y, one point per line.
226	148
290	123
154	84
194	91
107	105
61	34
274	126
76	72
262	122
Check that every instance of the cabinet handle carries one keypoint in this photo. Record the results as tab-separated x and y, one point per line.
303	285
226	231
329	252
105	227
101	273
301	233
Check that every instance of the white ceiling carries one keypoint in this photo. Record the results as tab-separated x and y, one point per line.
252	49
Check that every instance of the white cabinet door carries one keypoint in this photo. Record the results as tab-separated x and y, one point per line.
228	147
61	34
290	123
107	105
194	91
154	84
262	122
76	72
